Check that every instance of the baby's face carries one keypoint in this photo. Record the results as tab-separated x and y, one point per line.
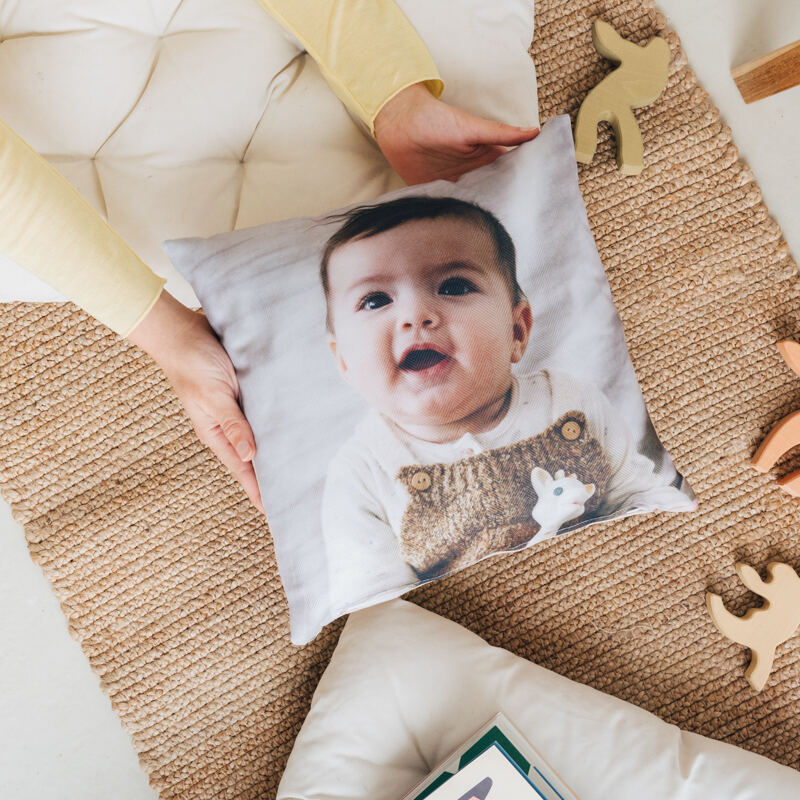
423	320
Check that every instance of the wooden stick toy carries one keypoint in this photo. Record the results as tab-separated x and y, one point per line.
761	629
638	81
769	74
785	434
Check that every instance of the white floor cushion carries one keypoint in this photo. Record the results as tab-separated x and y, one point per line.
405	687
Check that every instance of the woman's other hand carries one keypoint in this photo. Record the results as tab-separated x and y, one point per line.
426	139
202	375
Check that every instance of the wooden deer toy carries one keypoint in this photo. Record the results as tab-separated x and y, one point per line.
638	81
761	629
785	434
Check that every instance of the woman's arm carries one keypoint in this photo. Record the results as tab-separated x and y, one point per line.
48	228
202	375
367	50
382	71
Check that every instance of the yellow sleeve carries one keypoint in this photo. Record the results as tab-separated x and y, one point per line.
48	228
367	50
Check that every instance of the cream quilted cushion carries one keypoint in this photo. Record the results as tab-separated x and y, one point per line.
406	687
183	118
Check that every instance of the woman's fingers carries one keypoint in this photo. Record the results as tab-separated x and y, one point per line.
242	471
453	165
426	139
484	155
227	432
487	131
236	428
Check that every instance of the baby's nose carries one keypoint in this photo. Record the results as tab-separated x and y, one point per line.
419	314
423	322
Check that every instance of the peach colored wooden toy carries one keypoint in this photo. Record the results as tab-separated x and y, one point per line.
761	629
785	434
637	81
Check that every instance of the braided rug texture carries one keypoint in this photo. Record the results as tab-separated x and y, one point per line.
168	578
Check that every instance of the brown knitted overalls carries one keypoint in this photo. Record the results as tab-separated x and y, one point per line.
460	512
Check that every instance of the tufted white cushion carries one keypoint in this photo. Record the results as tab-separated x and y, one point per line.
406	687
190	117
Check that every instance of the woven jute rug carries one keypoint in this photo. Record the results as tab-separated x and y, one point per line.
168	577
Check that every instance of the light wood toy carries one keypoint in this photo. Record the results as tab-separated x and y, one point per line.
770	74
761	629
785	434
638	80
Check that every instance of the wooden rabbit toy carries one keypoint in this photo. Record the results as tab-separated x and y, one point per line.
761	629
638	81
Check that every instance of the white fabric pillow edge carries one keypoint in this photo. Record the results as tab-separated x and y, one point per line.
405	687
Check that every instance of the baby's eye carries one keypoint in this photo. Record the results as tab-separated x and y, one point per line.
457	286
374	300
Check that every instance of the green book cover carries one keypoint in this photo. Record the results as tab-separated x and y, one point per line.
501	732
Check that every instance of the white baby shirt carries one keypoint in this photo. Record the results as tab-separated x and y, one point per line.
363	504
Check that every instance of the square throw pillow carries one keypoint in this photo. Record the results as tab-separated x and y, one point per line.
432	379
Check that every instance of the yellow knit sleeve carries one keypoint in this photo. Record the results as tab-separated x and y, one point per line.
367	50
48	228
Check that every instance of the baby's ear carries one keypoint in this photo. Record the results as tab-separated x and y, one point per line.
336	355
523	322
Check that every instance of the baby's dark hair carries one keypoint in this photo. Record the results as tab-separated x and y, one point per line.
365	221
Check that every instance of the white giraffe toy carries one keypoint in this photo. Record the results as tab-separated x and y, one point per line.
761	629
559	499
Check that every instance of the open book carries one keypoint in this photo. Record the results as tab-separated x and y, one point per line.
495	763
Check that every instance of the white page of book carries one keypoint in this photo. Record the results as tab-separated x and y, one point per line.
507	782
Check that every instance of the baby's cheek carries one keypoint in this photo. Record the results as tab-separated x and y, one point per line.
379	376
491	352
492	367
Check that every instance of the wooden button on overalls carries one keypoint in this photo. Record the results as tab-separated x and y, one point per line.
421	481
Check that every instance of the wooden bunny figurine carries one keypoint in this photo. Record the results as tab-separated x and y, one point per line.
638	81
761	629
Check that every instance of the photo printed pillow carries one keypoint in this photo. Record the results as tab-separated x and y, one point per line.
432	378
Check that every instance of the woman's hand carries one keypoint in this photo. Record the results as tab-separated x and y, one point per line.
186	348
425	139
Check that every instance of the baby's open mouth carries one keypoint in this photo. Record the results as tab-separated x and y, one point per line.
417	360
